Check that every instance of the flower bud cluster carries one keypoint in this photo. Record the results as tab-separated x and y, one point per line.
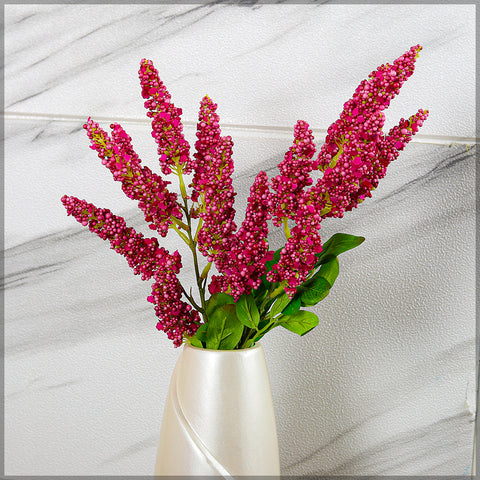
176	318
142	254
298	255
244	262
212	184
139	183
356	153
167	127
294	174
353	159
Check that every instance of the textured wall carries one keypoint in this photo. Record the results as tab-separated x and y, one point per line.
385	385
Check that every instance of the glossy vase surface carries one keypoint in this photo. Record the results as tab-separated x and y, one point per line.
219	417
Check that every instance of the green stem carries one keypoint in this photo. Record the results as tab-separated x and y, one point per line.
272	293
180	223
193	247
192	301
182	235
285	228
251	338
205	271
192	244
253	334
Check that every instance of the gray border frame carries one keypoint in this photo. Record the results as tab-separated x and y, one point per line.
246	3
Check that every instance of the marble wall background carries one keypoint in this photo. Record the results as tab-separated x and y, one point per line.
386	384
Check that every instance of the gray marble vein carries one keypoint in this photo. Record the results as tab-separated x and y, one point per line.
404	452
382	386
263	63
385	385
133	449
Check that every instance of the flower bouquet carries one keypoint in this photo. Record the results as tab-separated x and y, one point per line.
244	289
254	289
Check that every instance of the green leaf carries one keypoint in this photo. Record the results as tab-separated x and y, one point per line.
215	328
280	303
247	311
300	323
233	330
315	292
318	287
201	333
337	244
224	330
329	271
217	300
195	342
293	306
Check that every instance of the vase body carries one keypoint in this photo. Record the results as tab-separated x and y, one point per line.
219	417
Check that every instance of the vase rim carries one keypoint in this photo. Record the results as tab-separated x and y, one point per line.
240	350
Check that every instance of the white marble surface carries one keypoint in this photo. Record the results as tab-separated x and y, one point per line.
386	384
264	64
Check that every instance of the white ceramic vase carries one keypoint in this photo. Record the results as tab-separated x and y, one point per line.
219	417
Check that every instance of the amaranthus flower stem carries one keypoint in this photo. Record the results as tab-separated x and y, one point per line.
181	234
205	271
286	229
250	339
180	224
200	223
192	300
192	243
272	293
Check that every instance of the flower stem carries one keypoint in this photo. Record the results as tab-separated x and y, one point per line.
273	292
192	243
181	234
285	228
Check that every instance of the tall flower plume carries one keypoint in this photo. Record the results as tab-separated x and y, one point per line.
356	153
167	128
176	317
212	184
244	263
138	183
143	254
352	160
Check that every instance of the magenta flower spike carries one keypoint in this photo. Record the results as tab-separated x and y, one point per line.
353	159
253	289
138	183
243	264
143	254
294	174
167	127
176	317
212	185
356	153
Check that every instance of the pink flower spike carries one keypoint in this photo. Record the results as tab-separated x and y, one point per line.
213	183
294	174
166	125
140	253
138	183
356	153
